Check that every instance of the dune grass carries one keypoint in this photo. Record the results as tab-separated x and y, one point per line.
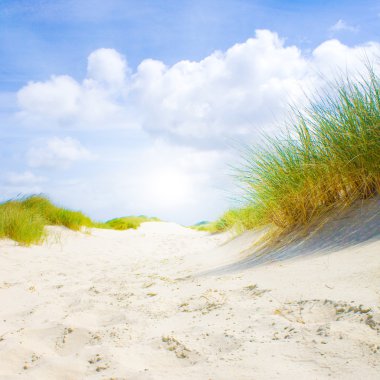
328	158
23	220
20	223
56	216
127	222
211	227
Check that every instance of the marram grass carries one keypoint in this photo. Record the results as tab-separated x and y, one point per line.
23	220
20	223
127	222
211	227
54	215
328	159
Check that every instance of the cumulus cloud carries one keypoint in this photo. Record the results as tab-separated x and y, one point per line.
333	59
107	66
226	95
57	98
57	152
97	102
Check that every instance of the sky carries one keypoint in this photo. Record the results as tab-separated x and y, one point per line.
126	107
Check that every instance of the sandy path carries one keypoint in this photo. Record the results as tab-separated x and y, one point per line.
123	305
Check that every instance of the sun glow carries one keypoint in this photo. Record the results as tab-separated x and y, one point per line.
170	187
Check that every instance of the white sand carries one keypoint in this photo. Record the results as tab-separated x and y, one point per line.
121	305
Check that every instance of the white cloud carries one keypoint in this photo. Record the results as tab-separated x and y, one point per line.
227	95
14	184
107	66
341	25
97	102
333	59
57	98
26	178
57	152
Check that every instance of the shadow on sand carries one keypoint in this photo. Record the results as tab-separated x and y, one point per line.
358	225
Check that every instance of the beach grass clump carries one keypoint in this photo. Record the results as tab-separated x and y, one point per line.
328	159
56	216
23	220
211	227
127	222
240	219
20	224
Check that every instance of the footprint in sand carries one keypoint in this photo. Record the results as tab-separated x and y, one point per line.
324	311
31	362
7	285
210	300
72	340
98	363
254	291
180	350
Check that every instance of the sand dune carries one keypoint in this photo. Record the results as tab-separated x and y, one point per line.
139	305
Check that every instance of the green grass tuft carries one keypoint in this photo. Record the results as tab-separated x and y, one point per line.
211	227
56	216
23	220
328	159
127	222
20	224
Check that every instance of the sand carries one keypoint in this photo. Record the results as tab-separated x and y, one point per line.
152	304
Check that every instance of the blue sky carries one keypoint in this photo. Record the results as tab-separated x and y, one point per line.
120	107
40	37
